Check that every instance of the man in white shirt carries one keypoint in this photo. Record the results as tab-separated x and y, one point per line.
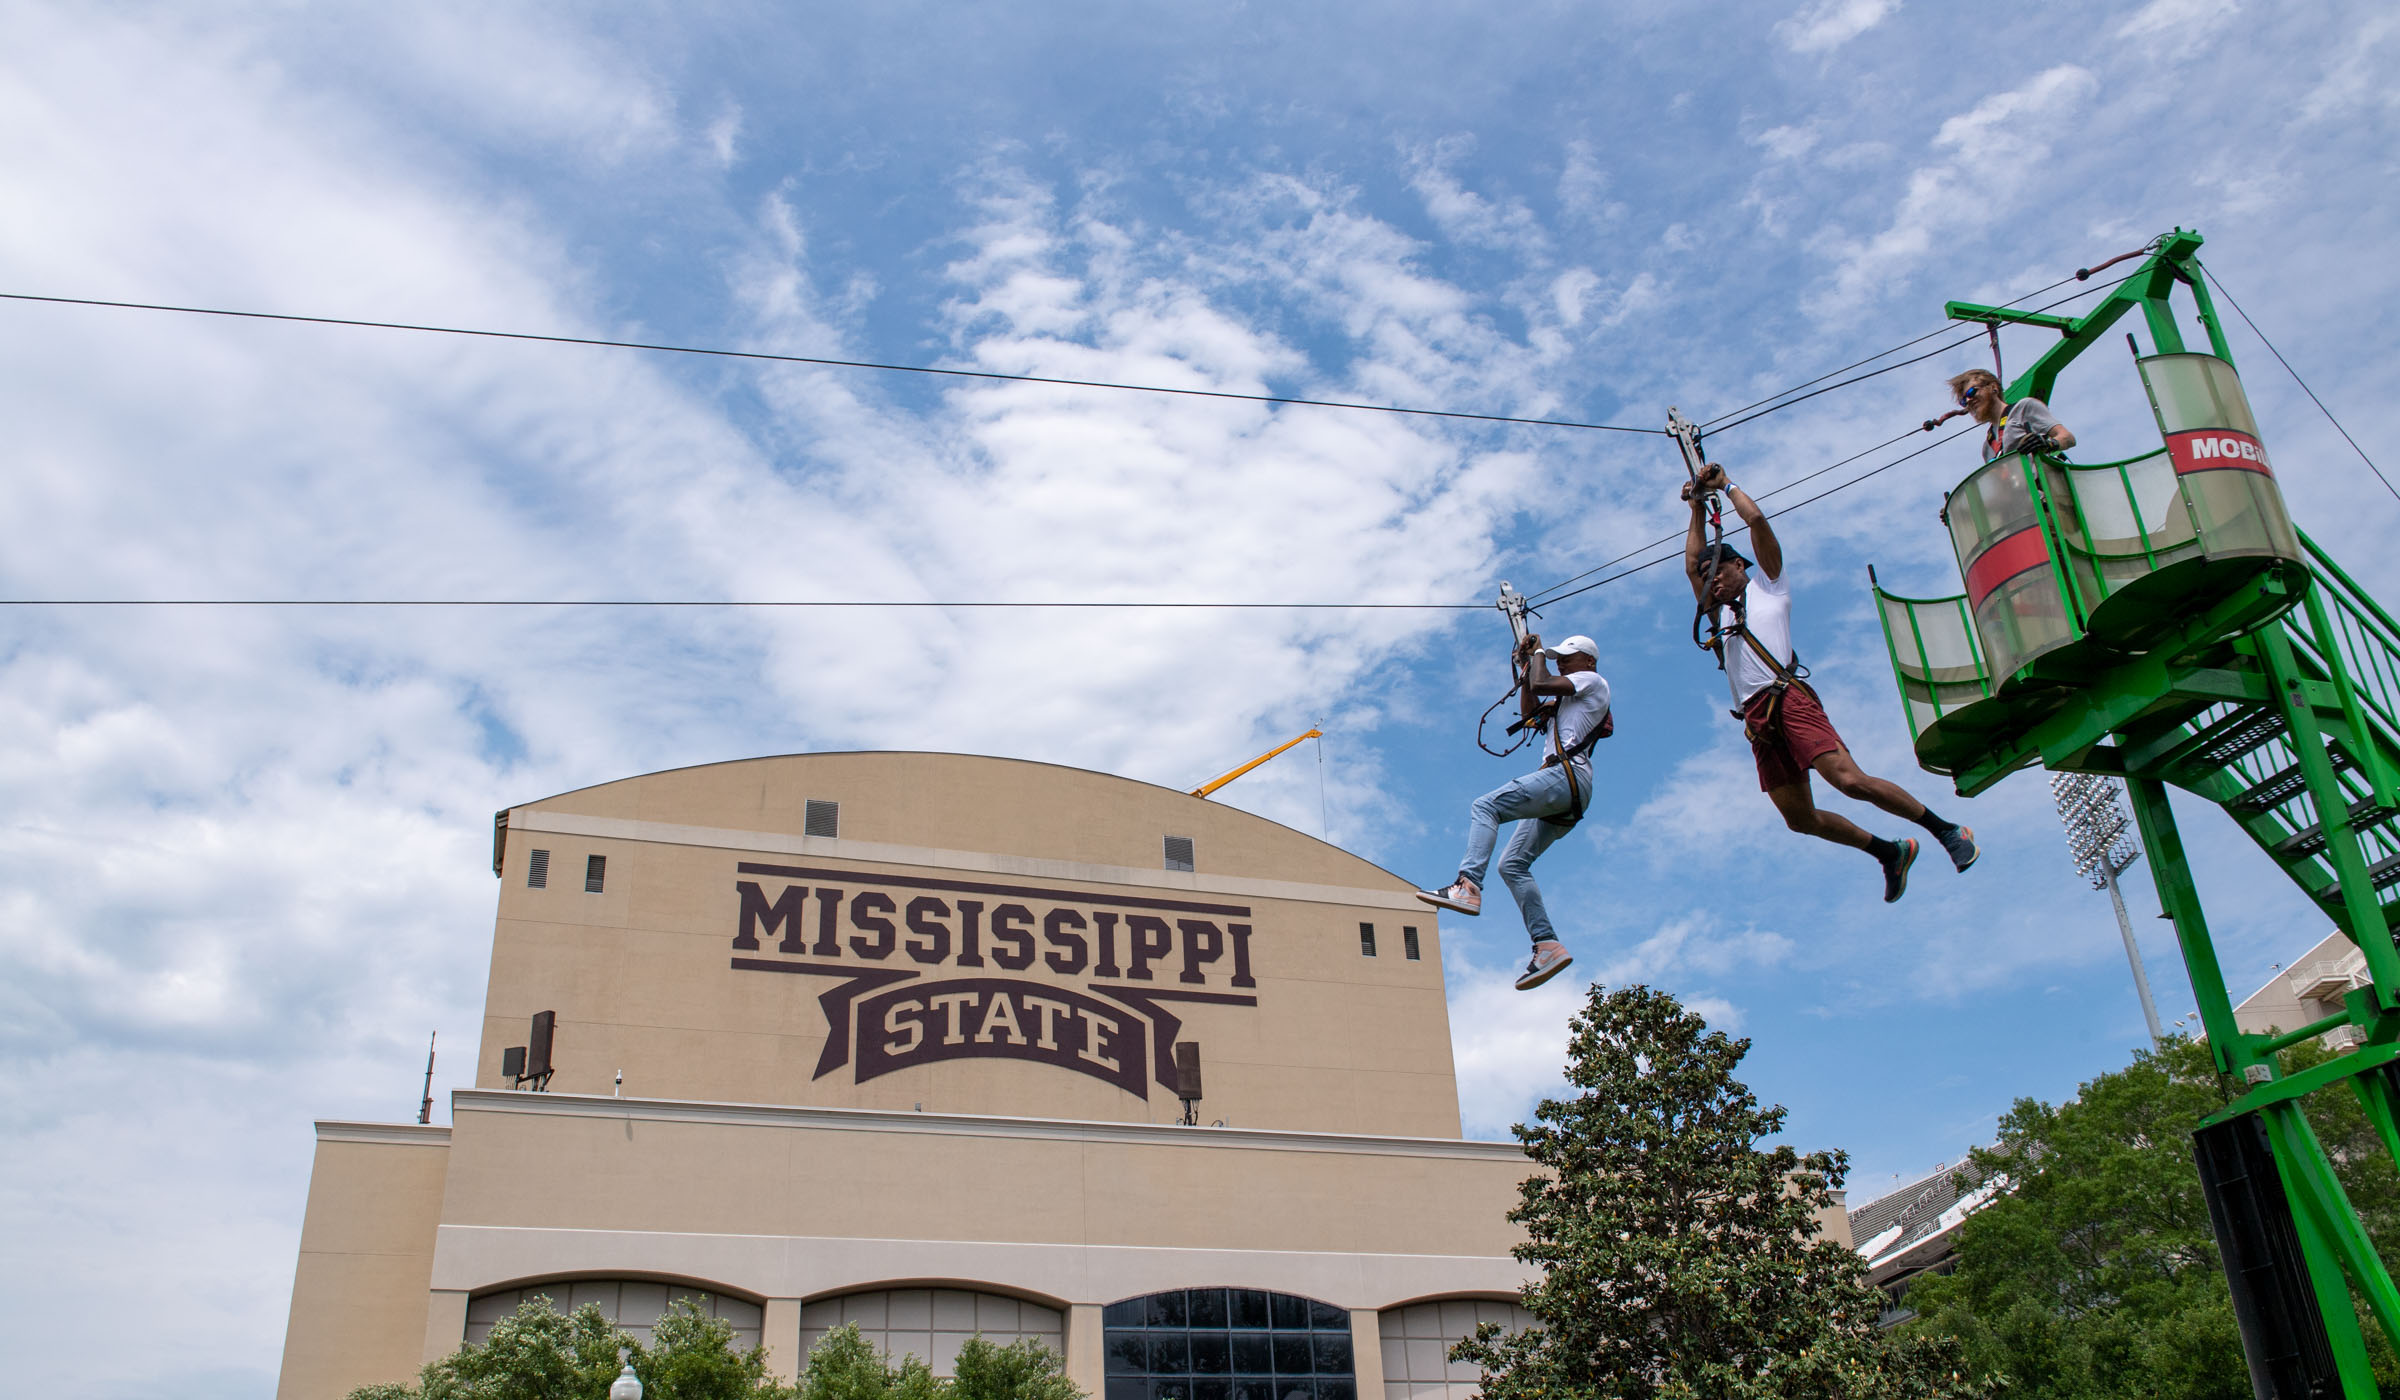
1789	732
1545	803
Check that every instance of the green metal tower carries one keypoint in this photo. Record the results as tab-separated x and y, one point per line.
2160	619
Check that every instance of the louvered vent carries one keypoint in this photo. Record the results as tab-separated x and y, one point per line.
824	819
1179	853
595	868
537	871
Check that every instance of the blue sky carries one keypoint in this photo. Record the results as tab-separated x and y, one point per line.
246	856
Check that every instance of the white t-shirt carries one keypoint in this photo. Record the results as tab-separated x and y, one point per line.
1768	614
1577	713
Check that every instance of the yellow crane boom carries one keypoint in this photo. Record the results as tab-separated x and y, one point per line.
1214	783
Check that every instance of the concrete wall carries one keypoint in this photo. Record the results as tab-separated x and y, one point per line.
359	1294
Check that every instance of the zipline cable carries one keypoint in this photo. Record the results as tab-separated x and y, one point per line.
1917	359
959	604
715	603
1540	598
2081	274
1854	364
1787	510
2296	379
829	363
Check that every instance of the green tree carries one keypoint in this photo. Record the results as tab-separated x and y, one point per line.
1022	1370
2094	1273
846	1366
1679	1258
536	1354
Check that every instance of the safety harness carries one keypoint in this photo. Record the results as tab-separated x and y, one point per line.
1710	619
1513	606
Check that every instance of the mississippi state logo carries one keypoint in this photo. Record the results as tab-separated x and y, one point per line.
891	945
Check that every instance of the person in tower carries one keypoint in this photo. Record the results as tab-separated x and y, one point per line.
2026	425
1788	730
1546	803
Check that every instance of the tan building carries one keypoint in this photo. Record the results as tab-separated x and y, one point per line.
897	1036
2308	991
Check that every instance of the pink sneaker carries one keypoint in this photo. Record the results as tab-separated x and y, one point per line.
1549	959
1461	896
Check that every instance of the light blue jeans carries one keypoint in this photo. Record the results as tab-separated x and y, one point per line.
1541	793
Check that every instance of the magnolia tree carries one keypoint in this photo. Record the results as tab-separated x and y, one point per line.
1679	1257
537	1354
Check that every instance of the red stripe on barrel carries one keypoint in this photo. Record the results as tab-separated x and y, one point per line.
2004	560
2215	449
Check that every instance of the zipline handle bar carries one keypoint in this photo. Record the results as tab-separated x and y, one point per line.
1512	606
1687	437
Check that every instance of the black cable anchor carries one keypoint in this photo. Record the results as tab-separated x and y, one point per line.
1512	605
1704	617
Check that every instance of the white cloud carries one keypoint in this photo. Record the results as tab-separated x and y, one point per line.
2179	26
1829	24
2008	131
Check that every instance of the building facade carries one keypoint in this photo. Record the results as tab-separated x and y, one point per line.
891	1039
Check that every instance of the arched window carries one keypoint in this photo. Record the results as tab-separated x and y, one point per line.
932	1323
631	1305
1228	1344
1417	1341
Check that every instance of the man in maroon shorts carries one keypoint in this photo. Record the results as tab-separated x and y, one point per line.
1789	733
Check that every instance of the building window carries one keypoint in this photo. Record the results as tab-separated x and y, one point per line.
1179	853
1408	942
537	871
1228	1344
1366	940
931	1324
595	870
823	819
631	1306
1417	1341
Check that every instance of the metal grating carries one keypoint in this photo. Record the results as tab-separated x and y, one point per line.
537	871
1179	853
823	819
595	870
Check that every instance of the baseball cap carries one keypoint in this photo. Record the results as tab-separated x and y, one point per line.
1578	645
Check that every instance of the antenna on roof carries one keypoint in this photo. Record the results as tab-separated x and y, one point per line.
425	1109
530	1063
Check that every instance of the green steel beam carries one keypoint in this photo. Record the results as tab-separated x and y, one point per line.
2173	876
2148	289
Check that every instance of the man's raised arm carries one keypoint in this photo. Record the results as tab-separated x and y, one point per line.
1762	535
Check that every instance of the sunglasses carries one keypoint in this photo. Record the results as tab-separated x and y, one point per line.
1967	396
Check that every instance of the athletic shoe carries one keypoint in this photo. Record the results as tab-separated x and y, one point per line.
1461	896
1960	843
1549	959
1895	869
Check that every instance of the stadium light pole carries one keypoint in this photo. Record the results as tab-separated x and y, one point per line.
2100	843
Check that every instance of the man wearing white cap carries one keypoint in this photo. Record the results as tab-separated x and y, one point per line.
1545	803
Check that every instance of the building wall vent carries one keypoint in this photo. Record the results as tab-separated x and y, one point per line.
824	819
1408	943
1366	940
595	869
537	871
1179	853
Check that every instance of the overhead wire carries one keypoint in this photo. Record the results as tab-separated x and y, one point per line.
2296	379
2079	275
1917	359
829	362
1537	598
1787	510
720	603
